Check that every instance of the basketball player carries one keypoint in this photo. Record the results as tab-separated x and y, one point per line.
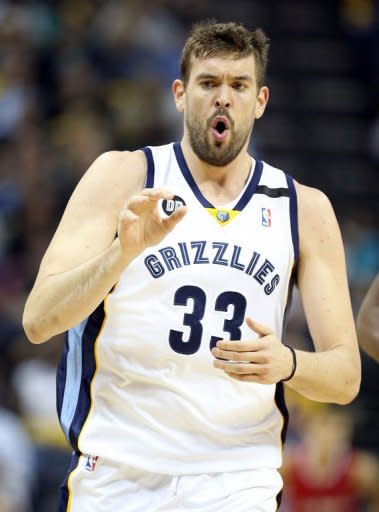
323	472
172	269
368	321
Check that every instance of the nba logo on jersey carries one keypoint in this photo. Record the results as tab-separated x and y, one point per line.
266	217
91	462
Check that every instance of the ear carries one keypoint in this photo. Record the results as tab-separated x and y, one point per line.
179	94
262	99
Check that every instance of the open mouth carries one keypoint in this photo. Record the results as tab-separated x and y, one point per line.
220	127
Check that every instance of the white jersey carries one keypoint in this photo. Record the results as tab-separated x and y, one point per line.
136	384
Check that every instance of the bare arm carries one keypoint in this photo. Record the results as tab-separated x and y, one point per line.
368	321
85	257
332	373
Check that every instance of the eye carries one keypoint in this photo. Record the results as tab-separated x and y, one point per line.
239	86
207	84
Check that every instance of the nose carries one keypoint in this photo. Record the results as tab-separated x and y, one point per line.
223	98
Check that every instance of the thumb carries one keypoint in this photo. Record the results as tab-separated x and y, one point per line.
261	330
171	221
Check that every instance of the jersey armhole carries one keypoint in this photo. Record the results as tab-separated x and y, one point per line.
149	181
293	218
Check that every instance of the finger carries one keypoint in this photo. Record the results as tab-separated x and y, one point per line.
127	217
239	368
247	378
174	218
240	346
260	329
258	357
157	193
148	196
141	203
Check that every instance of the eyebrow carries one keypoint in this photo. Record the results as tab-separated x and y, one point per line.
246	78
202	76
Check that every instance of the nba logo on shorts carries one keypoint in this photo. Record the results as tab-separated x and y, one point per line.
266	217
91	462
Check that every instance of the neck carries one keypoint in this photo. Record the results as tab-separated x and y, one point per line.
236	172
219	185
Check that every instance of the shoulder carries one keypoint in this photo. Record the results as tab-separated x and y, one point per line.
274	176
110	180
314	206
310	199
121	164
311	202
316	218
114	176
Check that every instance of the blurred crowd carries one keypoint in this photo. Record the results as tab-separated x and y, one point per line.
81	78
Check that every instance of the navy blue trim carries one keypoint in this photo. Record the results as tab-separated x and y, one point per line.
279	499
188	176
281	405
293	217
279	392
150	167
61	377
250	189
90	334
291	285
246	196
63	492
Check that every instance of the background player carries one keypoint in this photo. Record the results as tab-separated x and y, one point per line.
322	470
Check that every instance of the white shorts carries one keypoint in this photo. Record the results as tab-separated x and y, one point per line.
99	486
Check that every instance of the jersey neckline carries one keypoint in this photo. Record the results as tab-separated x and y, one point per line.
254	178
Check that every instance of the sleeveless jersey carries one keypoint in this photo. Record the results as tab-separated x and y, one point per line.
136	383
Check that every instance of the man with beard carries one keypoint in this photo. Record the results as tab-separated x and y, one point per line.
172	269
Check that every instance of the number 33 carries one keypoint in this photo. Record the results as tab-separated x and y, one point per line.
193	319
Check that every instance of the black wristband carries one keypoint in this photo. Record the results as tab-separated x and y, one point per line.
294	363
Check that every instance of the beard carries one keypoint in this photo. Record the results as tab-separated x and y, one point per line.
220	153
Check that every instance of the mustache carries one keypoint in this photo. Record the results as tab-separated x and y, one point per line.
221	112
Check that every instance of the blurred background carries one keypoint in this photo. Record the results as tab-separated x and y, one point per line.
78	78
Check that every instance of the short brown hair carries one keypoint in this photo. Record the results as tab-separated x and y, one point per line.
209	39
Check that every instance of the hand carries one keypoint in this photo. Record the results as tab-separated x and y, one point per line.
264	360
140	223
